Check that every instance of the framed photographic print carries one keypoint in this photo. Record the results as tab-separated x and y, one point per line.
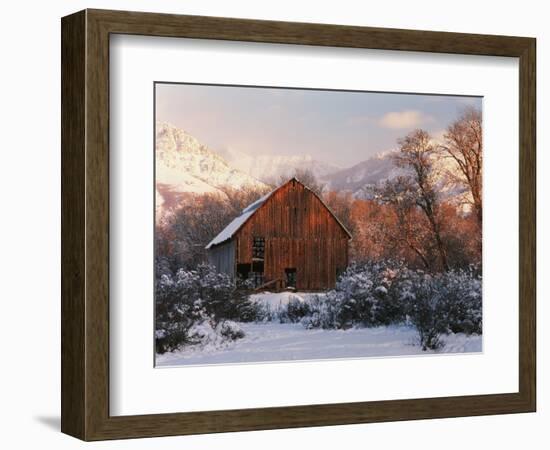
252	210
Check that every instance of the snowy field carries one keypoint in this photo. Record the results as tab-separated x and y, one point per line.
276	299
268	342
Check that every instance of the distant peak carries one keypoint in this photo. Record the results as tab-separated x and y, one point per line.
384	154
160	125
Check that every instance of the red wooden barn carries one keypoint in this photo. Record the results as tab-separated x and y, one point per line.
288	238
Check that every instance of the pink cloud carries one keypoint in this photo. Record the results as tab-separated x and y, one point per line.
404	119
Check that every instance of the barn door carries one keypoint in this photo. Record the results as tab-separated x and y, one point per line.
290	275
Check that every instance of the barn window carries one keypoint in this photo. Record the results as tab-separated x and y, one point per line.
258	248
290	275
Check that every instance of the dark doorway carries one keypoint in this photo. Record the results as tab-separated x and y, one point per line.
257	273
290	275
243	270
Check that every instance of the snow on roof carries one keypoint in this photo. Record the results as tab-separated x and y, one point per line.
239	221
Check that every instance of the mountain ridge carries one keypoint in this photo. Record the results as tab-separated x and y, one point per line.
269	168
185	167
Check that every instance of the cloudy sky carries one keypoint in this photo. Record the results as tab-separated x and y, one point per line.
342	128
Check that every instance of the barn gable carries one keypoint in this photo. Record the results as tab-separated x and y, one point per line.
236	224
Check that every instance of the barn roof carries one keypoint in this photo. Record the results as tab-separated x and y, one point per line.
229	231
238	222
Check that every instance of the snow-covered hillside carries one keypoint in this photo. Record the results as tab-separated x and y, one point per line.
186	166
369	172
270	168
381	167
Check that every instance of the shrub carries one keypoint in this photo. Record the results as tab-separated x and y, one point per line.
231	331
194	302
365	295
442	303
463	297
263	312
325	312
201	306
202	333
293	311
176	313
425	308
385	293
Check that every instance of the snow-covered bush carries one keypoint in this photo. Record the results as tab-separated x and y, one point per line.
385	293
325	312
373	289
423	296
193	300
365	295
264	312
176	313
231	330
442	303
205	334
202	332
464	301
293	311
284	307
352	301
221	297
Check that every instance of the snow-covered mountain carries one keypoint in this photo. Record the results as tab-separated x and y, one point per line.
381	167
366	173
186	166
269	168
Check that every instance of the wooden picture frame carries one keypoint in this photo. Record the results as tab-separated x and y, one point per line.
85	224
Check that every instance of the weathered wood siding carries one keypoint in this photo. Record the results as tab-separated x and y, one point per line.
223	257
299	233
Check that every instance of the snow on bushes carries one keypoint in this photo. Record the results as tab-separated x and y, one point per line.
423	298
443	303
294	310
285	307
365	295
463	300
201	307
381	294
195	306
204	333
231	331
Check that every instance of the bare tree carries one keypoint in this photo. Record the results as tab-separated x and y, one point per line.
240	198
191	228
464	145
416	154
408	231
181	238
307	177
341	204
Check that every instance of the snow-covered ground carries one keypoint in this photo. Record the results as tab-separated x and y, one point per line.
275	299
267	342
